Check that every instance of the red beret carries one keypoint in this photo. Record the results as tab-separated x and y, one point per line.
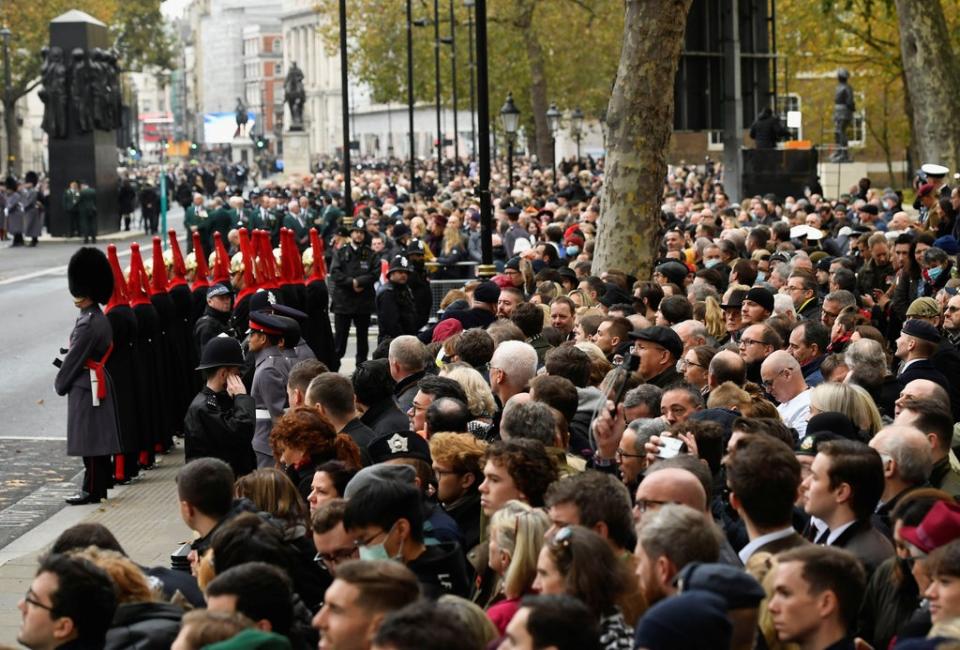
925	189
445	329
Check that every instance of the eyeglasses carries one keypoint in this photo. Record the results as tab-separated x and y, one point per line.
768	383
30	600
683	364
328	560
745	342
642	505
621	454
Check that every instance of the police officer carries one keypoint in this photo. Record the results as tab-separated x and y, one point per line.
396	314
269	389
419	283
353	275
92	430
220	419
216	317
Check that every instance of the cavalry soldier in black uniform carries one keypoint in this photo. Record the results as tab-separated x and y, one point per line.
92	426
220	420
353	275
396	314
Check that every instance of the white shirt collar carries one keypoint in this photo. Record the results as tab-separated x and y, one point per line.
836	532
763	540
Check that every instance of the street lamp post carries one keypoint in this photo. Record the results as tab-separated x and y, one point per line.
510	120
576	120
436	76
453	80
9	113
486	269
553	123
413	148
469	4
345	107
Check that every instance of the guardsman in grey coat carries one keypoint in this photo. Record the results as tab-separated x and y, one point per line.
32	209
92	427
295	348
269	389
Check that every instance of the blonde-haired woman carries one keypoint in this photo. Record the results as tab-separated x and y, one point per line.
850	400
516	536
479	397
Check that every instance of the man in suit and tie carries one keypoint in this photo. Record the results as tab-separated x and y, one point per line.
842	491
763	476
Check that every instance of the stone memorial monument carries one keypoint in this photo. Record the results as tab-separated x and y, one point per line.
81	96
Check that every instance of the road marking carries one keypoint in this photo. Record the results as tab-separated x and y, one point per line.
32	438
49	271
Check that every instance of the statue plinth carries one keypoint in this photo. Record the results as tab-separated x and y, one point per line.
296	153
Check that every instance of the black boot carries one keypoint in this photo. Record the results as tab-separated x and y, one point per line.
33	242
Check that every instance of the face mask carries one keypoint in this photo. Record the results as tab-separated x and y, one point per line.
378	551
572	250
709	264
761	276
934	273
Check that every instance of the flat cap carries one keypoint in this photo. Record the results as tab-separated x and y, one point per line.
662	336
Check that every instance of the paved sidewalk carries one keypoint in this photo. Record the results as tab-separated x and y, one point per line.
144	516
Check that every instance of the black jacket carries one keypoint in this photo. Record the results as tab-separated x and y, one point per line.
384	417
466	512
349	264
396	312
923	369
144	626
441	569
211	324
220	426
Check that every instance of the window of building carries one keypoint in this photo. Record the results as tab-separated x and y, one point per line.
787	104
268	45
715	140
278	69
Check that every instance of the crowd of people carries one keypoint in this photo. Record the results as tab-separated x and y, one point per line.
751	448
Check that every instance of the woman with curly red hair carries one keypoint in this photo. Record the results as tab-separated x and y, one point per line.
304	439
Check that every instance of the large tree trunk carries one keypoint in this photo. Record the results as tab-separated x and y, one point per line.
538	84
932	75
639	122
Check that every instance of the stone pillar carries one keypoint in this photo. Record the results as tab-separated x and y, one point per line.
88	157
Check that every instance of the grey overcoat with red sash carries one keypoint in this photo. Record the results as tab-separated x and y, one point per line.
91	430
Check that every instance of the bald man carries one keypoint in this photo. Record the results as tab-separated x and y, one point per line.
907	461
669	485
782	377
920	389
726	365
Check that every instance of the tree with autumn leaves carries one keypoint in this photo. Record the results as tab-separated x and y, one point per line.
618	60
137	30
543	51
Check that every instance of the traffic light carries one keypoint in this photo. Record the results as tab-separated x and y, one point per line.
261	144
194	146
